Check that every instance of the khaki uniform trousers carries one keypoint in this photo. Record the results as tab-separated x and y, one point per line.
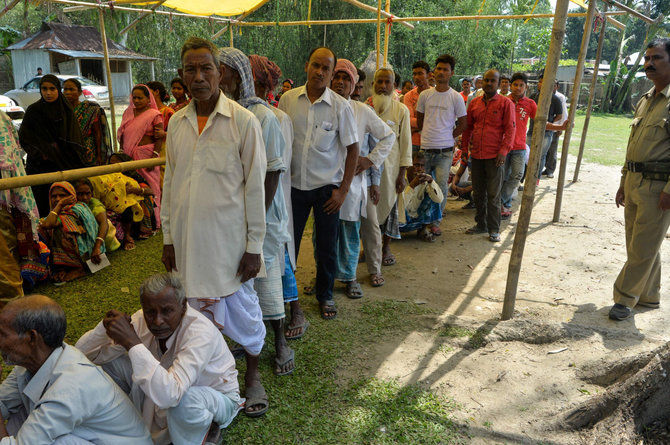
10	272
646	227
371	236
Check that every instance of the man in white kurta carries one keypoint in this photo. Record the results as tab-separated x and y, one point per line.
214	217
393	182
182	383
355	206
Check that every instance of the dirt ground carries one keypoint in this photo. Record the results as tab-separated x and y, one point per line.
509	382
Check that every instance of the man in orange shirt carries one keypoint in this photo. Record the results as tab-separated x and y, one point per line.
420	71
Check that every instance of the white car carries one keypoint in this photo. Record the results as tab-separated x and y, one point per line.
30	92
14	112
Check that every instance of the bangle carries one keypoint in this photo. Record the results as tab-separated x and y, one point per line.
53	213
156	153
98	238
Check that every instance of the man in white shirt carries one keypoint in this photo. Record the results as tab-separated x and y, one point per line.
441	118
359	206
214	208
238	83
396	116
55	395
172	362
552	154
325	155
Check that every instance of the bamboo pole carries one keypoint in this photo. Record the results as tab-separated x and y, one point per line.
592	93
230	27
134	23
588	28
243	16
631	11
108	69
557	35
385	14
387	35
416	19
379	30
73	175
9	7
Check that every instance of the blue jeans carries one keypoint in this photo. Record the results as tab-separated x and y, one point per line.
546	143
327	229
514	165
438	164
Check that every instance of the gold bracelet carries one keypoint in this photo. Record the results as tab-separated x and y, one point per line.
98	238
53	213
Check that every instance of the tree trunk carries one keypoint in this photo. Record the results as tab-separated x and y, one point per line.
620	414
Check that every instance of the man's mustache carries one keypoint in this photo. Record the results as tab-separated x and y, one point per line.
651	68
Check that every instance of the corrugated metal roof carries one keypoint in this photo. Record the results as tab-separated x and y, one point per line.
57	36
91	55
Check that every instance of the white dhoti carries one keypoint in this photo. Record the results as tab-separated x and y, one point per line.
238	316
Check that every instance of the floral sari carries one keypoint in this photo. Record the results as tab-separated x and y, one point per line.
132	130
72	241
89	115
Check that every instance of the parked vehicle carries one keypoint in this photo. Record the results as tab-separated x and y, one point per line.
14	112
30	92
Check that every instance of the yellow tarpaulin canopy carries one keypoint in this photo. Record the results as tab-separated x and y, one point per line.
224	8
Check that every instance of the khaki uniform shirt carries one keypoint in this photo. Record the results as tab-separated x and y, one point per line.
650	133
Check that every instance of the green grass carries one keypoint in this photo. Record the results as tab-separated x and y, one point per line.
606	138
330	398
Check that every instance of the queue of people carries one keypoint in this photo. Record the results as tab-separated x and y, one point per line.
241	179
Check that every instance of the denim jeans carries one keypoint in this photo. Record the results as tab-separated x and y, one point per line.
327	229
546	143
438	164
514	166
550	163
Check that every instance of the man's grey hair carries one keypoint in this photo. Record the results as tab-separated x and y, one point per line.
49	321
156	283
198	43
386	69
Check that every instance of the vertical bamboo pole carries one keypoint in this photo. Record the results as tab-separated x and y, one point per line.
557	35
230	27
592	93
387	34
108	70
588	28
379	30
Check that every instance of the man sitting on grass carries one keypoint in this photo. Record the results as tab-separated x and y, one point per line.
422	200
172	361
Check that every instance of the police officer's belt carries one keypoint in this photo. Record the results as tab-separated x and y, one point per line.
648	167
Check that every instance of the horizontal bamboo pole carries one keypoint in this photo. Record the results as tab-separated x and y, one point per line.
72	175
79	6
630	11
373	9
418	19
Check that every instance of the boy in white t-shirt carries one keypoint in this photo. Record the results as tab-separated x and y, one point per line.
441	118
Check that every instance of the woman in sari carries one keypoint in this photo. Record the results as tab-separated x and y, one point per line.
18	220
106	230
179	90
128	201
51	136
70	231
93	123
141	127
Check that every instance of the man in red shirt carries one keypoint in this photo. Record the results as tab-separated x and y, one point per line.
491	134
514	163
420	71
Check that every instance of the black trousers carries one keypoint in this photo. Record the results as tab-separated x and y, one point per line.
487	182
326	226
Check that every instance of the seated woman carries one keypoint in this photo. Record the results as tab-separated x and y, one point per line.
141	127
70	231
180	91
93	123
129	202
106	230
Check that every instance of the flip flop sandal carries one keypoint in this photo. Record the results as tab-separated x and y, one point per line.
436	231
303	326
255	396
354	290
309	290
327	307
377	280
426	235
281	364
388	260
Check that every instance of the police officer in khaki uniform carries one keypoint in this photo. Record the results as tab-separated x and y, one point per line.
645	189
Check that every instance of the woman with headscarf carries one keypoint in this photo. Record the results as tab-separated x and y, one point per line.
179	91
141	127
51	136
70	231
93	123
